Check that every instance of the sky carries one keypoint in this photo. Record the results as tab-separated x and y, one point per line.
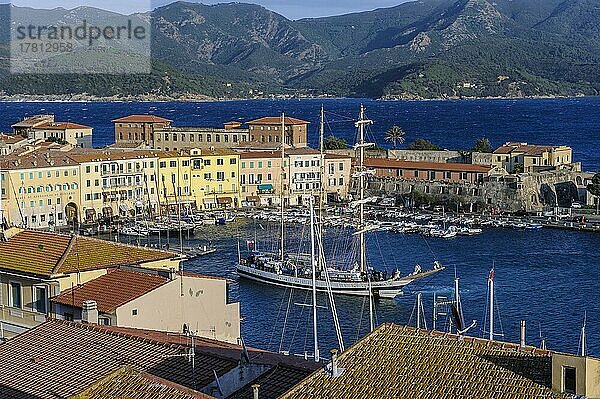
293	9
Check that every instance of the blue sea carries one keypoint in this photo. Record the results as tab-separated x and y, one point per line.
547	277
450	124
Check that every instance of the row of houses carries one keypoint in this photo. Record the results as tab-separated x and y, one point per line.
51	188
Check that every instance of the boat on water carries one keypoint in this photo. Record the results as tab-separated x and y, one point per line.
294	270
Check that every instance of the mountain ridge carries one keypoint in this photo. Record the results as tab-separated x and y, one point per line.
419	49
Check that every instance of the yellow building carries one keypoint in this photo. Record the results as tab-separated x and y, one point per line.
215	178
174	182
523	157
116	183
40	190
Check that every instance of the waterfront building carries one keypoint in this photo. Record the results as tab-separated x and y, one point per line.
305	175
523	157
138	130
35	266
337	177
174	184
76	360
63	132
116	183
170	138
154	300
11	142
404	362
215	176
260	177
429	171
268	130
40	189
27	125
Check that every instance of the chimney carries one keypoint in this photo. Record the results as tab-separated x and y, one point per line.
89	313
255	390
522	333
334	369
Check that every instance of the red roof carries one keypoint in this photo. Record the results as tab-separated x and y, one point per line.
112	290
142	119
276	120
395	164
61	126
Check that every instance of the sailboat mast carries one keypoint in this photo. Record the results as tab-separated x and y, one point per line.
282	244
322	182
491	288
313	262
361	221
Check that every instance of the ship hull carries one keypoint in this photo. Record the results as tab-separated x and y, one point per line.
382	289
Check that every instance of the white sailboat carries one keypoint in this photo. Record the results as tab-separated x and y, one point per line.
294	270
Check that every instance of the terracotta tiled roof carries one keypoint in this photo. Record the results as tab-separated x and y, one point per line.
111	290
260	154
59	359
98	155
11	138
129	383
276	120
61	126
524	148
302	151
141	119
36	160
395	164
32	121
337	156
403	362
49	254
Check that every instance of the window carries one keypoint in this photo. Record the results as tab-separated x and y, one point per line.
134	312
16	295
185	163
69	316
162	164
220	176
232	161
219	161
173	164
569	380
243	165
104	321
40	298
207	162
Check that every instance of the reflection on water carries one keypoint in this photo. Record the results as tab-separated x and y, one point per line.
546	277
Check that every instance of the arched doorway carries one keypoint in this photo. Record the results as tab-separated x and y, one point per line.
579	181
71	213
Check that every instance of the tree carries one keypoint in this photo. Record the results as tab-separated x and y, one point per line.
395	135
335	143
519	168
483	145
594	189
423	145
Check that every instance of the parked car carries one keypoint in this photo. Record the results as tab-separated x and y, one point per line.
576	205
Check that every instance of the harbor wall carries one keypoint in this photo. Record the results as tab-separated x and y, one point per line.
531	192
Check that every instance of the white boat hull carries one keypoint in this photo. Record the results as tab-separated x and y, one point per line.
382	289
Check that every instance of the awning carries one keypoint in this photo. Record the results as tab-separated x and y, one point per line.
253	198
139	204
224	200
265	187
123	207
209	201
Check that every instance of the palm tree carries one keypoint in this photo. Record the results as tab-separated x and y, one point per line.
395	135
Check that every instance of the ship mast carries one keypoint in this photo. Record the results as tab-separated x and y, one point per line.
322	181
361	221
313	261
282	187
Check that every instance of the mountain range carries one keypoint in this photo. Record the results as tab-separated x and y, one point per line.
419	49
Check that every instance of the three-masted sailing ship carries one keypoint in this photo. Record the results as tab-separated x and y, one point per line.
295	271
